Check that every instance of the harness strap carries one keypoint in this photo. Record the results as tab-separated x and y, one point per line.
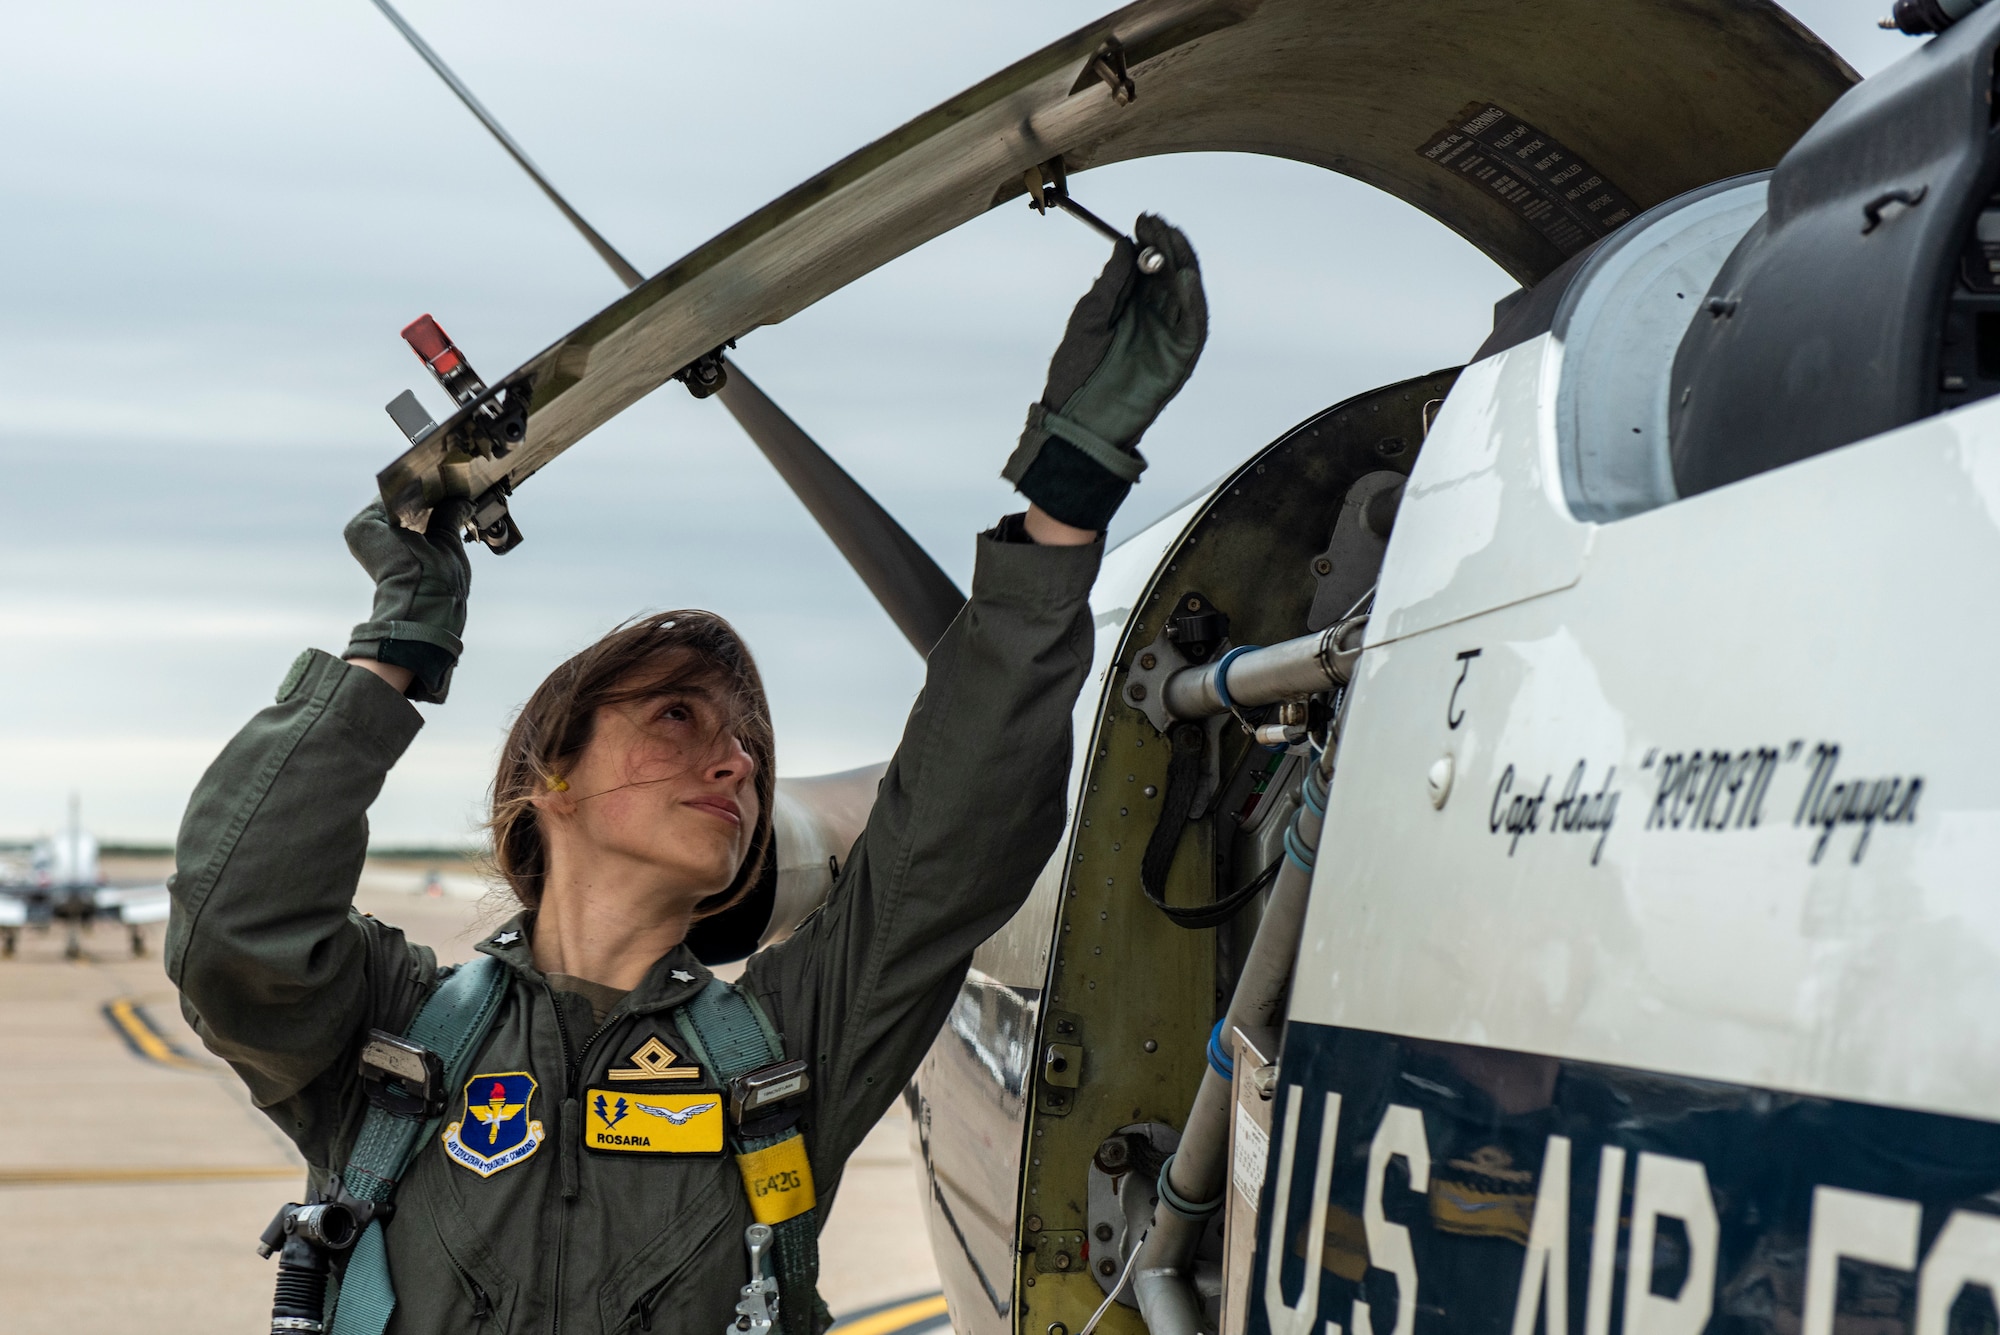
452	1023
730	1034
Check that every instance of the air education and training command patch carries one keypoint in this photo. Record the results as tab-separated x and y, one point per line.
497	1129
624	1121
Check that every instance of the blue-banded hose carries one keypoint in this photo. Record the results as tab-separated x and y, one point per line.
1297	852
1219	1059
1312	796
1193	1211
1313	791
1222	674
1163	1284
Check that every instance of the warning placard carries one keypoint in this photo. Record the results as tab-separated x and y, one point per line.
1555	190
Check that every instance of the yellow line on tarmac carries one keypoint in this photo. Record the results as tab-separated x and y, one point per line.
896	1318
25	1177
145	1040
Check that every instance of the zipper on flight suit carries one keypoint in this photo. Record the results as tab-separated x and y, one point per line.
571	1138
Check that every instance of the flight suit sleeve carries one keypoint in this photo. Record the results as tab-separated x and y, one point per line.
277	973
970	809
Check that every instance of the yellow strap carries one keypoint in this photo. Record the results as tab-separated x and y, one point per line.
779	1180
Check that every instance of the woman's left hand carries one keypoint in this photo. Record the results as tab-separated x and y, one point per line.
1131	344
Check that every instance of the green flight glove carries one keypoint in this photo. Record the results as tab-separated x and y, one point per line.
1129	348
421	580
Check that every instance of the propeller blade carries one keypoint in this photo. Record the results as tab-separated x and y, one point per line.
628	275
919	597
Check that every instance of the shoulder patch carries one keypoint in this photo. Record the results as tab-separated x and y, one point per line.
496	1129
654	1060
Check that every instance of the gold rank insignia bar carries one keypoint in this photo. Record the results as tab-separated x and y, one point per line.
654	1060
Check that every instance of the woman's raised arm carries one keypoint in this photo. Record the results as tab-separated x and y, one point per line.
972	804
277	973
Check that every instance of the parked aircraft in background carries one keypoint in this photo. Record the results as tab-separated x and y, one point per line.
61	880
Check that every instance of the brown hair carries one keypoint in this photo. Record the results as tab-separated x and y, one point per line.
646	657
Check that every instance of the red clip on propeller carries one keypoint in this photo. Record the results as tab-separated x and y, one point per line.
436	350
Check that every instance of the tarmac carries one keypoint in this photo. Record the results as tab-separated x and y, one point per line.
136	1176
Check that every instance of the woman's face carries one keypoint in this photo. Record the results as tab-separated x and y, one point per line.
664	782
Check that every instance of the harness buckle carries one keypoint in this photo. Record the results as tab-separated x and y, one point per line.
767	1086
402	1078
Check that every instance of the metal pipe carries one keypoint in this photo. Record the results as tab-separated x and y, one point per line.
1062	201
1199	1168
1043	196
1148	258
1248	678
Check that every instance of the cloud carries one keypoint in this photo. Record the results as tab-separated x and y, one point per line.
218	215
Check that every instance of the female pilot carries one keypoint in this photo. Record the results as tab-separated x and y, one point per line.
633	798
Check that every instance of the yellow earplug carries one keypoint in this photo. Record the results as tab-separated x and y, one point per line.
557	783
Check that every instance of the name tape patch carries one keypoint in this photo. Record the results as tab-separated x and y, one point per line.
626	1121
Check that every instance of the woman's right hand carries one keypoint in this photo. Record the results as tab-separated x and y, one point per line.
421	582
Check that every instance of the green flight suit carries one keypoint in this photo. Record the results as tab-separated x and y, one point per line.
282	979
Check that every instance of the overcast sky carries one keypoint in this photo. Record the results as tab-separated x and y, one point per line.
218	214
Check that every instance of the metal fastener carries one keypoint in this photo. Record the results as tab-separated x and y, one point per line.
1438	780
1034	1223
